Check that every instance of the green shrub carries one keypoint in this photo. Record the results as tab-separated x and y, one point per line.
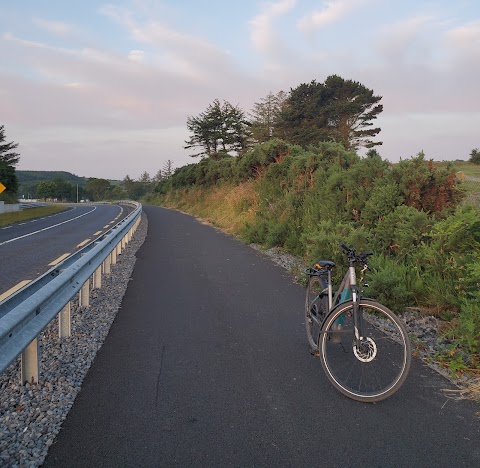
469	323
401	231
276	234
427	186
255	233
392	283
384	197
451	252
323	243
465	329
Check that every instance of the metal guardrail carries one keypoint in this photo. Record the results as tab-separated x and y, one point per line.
25	314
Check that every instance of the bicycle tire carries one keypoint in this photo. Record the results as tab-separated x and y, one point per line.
316	307
377	370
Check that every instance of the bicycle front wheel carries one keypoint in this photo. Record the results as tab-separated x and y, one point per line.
316	307
376	368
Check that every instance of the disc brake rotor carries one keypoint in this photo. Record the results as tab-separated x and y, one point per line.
367	350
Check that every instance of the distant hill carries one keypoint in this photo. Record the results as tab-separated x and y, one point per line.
29	180
40	176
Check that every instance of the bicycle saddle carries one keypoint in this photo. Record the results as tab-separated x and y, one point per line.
328	264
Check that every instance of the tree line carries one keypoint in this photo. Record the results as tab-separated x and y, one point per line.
98	189
337	110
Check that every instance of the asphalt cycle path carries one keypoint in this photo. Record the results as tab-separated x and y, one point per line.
207	364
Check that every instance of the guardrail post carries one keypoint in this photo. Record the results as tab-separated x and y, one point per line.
106	264
84	296
64	322
119	248
114	256
123	243
29	363
97	278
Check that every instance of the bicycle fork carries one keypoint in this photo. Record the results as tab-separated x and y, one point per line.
357	316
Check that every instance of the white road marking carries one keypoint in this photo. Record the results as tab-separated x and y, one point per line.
47	228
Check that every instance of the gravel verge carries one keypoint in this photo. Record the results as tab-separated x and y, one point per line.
31	415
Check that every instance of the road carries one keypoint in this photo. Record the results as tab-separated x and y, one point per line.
29	249
207	364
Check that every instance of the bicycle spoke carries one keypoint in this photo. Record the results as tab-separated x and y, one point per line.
378	367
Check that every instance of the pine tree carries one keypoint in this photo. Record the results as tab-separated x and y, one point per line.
221	130
167	170
8	159
7	155
337	110
265	116
475	156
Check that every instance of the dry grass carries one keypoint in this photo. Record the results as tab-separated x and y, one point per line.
471	392
226	206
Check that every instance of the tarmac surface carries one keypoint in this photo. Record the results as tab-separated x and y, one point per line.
207	364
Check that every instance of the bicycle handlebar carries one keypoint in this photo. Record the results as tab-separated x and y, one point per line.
352	254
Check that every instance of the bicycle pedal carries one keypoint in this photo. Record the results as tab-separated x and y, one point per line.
315	352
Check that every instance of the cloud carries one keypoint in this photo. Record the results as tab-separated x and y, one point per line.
422	64
31	44
332	12
136	56
262	34
466	37
93	87
400	40
182	53
54	27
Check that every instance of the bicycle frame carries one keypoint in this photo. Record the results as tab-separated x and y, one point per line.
347	287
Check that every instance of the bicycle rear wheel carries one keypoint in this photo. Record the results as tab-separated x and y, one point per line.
379	366
316	307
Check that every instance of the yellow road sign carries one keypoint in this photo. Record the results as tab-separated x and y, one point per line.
2	187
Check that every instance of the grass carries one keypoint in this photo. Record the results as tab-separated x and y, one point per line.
228	207
468	168
18	216
472	187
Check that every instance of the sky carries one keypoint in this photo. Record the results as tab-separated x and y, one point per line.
105	89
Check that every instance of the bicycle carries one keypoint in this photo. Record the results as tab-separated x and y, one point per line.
363	346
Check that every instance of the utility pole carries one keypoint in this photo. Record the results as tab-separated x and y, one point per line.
77	193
